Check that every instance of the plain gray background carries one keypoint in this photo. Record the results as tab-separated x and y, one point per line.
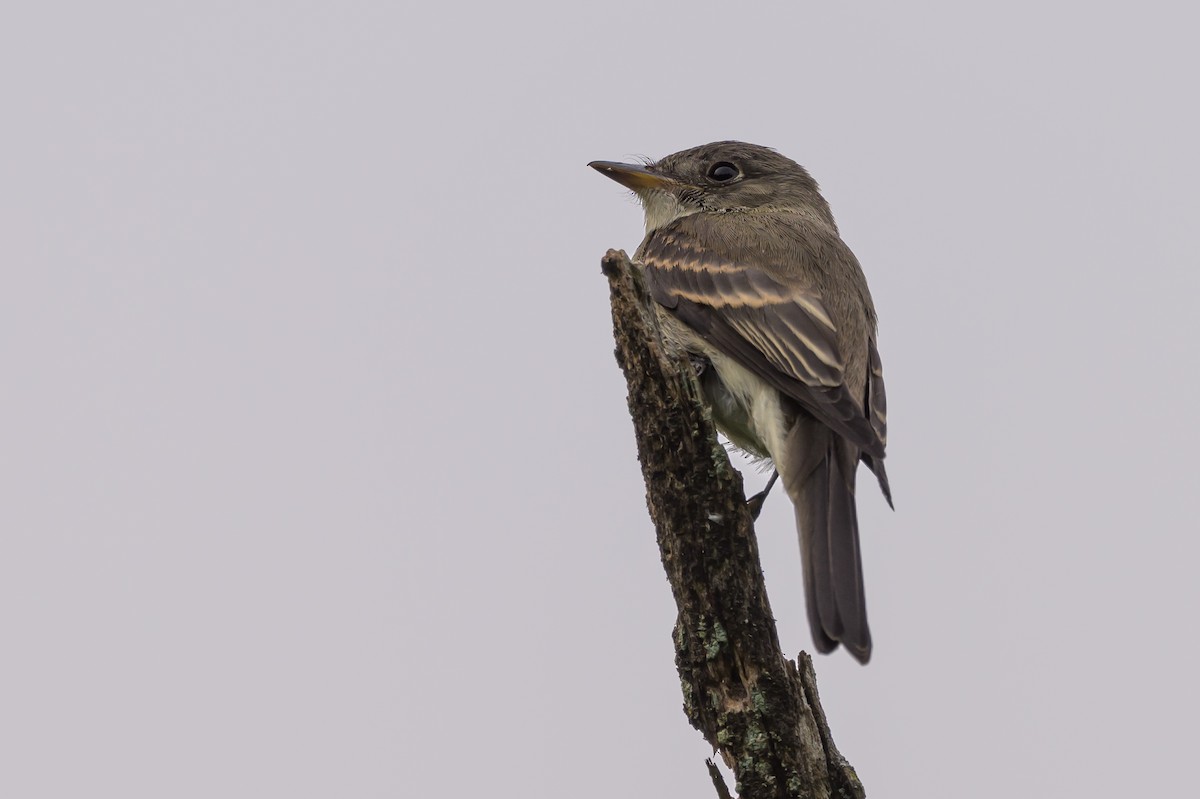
317	475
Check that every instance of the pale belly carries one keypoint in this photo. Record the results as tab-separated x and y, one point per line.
744	407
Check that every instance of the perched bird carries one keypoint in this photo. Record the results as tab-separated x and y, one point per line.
753	282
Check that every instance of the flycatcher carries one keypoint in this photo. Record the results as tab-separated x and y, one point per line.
752	281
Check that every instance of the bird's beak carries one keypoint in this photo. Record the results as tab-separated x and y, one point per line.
633	176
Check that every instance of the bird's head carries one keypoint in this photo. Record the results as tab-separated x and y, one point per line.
722	176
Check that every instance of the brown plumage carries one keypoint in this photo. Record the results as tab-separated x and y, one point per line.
744	259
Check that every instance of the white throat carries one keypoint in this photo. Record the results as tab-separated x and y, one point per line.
662	209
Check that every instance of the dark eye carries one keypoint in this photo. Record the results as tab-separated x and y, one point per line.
722	172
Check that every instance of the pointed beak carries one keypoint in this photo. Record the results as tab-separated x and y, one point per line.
632	176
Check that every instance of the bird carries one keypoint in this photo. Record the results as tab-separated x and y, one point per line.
751	280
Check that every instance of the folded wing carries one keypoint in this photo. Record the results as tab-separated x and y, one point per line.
782	333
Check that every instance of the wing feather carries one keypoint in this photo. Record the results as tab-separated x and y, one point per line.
780	331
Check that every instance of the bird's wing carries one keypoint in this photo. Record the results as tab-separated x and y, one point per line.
876	409
876	403
779	331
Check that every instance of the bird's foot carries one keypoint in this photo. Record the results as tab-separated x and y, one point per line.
755	503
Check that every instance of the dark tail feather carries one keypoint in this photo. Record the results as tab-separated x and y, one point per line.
821	485
819	593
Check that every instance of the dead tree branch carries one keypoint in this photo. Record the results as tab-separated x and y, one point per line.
755	706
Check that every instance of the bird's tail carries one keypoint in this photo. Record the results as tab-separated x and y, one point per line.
820	481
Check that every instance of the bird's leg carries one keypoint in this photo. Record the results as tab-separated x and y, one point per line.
755	503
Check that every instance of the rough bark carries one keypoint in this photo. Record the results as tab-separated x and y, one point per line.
755	706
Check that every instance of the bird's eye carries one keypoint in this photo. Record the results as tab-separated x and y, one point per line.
723	172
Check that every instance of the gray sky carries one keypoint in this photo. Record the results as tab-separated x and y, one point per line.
317	474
